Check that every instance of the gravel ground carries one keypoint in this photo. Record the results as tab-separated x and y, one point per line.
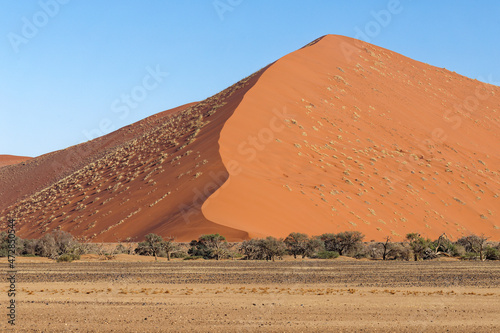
245	296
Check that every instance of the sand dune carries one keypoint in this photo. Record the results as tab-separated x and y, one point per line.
338	135
371	141
11	159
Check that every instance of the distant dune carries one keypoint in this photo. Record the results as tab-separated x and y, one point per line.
338	135
11	159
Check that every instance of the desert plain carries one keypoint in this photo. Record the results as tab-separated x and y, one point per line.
138	294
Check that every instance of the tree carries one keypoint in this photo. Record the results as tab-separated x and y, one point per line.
169	247
253	249
474	243
420	246
273	248
216	244
313	246
152	245
385	245
342	242
296	244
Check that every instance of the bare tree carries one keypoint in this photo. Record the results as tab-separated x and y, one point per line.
385	245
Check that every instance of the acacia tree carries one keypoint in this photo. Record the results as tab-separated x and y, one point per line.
253	249
296	244
273	248
342	242
169	246
216	244
474	243
154	244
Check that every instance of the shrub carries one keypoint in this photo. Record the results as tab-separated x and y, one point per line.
179	254
398	251
326	255
420	246
492	253
68	257
193	257
4	244
469	256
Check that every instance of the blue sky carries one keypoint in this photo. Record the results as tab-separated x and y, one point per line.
67	66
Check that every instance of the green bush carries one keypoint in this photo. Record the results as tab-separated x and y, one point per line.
179	254
470	256
327	255
492	253
193	257
68	257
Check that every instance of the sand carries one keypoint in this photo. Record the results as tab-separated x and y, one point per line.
238	296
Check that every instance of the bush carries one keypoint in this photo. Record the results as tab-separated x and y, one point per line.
492	253
179	254
398	251
326	255
4	244
193	257
470	256
68	257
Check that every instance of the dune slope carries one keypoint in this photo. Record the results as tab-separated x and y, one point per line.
11	159
152	176
344	135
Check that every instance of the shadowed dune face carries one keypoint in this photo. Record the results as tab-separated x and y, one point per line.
339	135
152	176
343	135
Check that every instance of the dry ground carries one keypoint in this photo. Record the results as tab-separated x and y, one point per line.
239	296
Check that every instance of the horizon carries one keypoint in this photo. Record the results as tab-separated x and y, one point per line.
61	90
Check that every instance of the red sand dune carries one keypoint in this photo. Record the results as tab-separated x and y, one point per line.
339	135
11	159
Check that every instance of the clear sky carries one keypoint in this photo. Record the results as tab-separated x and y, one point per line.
67	66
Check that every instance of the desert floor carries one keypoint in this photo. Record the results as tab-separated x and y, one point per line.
133	294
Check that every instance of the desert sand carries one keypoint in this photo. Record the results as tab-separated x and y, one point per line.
246	296
338	135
